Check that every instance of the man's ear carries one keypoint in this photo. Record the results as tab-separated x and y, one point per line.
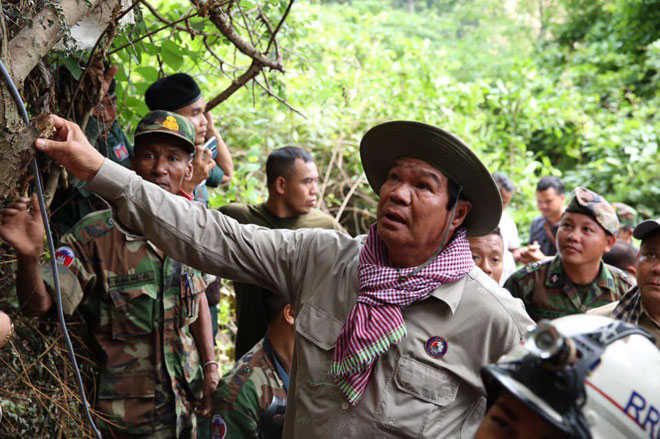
189	171
463	207
280	185
611	239
632	270
287	312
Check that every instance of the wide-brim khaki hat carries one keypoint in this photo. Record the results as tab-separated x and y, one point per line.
385	143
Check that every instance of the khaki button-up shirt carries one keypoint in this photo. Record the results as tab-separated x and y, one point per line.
410	393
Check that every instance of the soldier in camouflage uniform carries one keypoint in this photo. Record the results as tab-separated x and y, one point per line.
250	400
627	219
72	203
145	312
576	279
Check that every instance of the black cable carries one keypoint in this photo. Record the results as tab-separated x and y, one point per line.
51	247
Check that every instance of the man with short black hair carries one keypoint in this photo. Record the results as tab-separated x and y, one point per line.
624	257
250	400
292	194
576	279
488	254
550	197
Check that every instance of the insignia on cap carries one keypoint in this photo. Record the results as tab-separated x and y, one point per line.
436	346
65	256
218	427
171	124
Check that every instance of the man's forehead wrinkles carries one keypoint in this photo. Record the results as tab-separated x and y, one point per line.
427	170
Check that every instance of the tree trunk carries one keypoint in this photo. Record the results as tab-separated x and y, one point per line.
20	55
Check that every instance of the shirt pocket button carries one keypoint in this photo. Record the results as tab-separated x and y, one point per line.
344	406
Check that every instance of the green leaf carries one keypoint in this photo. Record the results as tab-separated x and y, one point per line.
172	54
72	66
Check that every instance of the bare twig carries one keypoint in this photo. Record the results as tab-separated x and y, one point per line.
348	197
221	20
130	43
279	99
279	25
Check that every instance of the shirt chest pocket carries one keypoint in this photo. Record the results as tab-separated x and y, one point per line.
132	311
416	399
319	333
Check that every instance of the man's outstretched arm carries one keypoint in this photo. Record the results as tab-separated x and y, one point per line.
204	239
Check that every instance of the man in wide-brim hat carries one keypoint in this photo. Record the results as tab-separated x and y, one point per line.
391	330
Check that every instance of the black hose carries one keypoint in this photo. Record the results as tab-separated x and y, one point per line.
51	247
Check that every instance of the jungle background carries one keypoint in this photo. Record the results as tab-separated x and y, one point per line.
535	87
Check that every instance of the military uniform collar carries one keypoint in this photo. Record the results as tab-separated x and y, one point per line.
451	293
557	276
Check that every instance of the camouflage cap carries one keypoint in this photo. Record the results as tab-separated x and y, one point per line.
590	203
166	122
626	214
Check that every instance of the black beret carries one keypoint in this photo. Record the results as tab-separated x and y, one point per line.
172	92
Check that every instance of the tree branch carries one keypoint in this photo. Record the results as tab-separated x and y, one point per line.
35	41
221	21
237	83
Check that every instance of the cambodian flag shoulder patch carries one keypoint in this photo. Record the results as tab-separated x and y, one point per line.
65	256
218	427
121	152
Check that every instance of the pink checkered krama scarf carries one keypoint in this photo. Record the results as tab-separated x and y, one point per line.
375	322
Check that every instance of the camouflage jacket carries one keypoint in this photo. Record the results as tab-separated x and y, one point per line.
250	399
138	305
548	293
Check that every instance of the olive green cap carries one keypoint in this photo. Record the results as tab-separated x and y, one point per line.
166	122
383	144
626	214
591	204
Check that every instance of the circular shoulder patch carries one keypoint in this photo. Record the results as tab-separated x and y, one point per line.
218	427
65	256
436	347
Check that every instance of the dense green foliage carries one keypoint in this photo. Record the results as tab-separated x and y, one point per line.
578	102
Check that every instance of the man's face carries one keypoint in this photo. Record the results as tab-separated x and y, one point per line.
549	203
412	209
488	254
506	198
160	160
648	269
195	112
508	418
300	187
581	240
